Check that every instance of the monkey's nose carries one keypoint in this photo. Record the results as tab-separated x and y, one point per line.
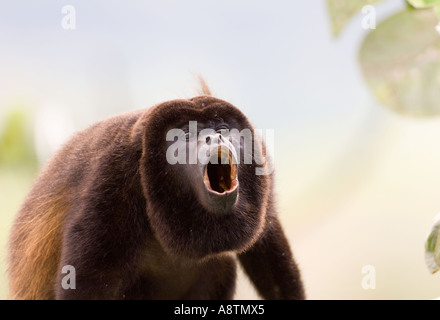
218	138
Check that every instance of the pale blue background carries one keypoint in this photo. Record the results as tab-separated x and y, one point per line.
354	181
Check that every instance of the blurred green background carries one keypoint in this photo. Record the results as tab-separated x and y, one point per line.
351	92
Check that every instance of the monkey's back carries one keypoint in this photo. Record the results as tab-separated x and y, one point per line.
36	238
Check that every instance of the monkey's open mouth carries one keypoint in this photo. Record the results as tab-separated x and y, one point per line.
221	173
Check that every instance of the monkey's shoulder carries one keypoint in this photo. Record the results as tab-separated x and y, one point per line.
101	146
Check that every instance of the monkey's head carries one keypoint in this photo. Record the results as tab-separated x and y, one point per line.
199	177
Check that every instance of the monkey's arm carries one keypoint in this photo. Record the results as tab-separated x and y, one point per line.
270	265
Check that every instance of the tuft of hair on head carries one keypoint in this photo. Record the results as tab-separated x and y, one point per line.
204	89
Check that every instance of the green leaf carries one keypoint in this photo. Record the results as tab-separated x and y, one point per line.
400	61
341	11
432	246
422	4
16	142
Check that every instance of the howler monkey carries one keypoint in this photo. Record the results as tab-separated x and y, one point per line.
154	204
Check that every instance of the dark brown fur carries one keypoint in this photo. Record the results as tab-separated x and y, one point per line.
110	205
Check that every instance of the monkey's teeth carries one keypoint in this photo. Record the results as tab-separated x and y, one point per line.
224	157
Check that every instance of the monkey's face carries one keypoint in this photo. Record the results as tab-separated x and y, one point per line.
198	173
207	155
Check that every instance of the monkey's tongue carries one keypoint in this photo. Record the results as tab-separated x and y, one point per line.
221	176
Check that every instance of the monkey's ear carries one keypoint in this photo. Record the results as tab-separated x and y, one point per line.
204	89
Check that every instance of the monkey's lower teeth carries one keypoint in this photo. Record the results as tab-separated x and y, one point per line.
223	185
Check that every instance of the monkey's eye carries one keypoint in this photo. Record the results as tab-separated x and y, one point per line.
188	135
222	128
